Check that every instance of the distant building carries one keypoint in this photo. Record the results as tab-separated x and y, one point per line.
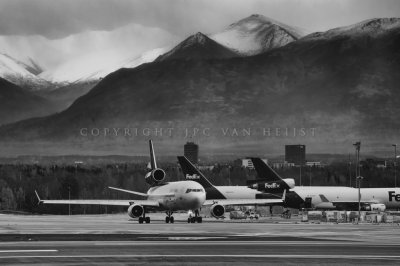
247	163
295	154
191	151
314	164
378	163
278	165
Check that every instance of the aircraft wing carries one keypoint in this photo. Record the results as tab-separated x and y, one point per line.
129	191
150	203
238	202
142	194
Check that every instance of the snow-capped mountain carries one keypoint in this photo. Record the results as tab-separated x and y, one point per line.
256	34
198	46
95	67
370	27
20	73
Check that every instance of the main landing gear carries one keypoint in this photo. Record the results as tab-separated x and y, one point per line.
144	218
197	218
169	218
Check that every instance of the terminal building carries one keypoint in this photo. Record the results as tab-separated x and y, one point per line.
191	151
295	154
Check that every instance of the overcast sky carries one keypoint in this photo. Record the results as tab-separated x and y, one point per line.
60	18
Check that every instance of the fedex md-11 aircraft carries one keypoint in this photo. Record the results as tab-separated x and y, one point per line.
220	196
329	197
164	196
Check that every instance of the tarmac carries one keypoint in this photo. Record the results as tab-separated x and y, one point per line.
119	240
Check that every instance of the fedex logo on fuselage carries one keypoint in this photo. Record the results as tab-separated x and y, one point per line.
192	177
393	195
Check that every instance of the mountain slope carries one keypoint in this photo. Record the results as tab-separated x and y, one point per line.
21	73
197	46
344	86
257	34
17	103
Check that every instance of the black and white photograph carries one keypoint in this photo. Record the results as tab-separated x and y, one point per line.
199	132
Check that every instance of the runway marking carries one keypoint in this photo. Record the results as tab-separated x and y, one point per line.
302	256
27	250
240	242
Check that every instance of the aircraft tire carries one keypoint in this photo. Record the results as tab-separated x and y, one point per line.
199	220
167	219
171	219
193	220
140	220
147	219
189	220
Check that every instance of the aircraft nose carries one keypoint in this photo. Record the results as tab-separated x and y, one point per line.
199	199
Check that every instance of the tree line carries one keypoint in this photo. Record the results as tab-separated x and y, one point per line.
18	182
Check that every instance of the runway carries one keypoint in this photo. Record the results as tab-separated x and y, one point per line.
114	239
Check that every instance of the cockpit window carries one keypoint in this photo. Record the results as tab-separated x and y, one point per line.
194	190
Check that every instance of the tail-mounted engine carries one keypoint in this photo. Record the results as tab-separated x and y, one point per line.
155	176
135	211
271	186
217	210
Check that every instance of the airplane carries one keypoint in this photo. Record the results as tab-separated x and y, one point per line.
217	197
166	196
330	197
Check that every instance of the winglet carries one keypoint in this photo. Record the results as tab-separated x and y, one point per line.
153	161
37	195
323	198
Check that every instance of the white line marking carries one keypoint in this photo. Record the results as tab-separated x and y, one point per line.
27	250
300	256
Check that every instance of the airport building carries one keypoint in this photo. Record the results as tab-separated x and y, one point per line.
295	154
191	151
247	163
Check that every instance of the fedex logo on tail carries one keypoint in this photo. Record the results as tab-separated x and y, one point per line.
192	177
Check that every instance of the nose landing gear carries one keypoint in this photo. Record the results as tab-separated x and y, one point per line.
169	218
197	218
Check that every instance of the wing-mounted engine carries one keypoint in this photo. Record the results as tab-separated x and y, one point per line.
135	211
155	176
217	210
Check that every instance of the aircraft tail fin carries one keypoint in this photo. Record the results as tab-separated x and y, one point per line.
192	173
153	162
264	171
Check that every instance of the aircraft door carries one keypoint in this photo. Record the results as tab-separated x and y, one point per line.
308	203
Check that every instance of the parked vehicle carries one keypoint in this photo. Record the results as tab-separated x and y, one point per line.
237	215
252	215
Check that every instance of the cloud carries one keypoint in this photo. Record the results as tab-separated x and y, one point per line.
57	19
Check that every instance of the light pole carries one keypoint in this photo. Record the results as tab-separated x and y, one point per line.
358	176
300	174
69	199
350	169
395	164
